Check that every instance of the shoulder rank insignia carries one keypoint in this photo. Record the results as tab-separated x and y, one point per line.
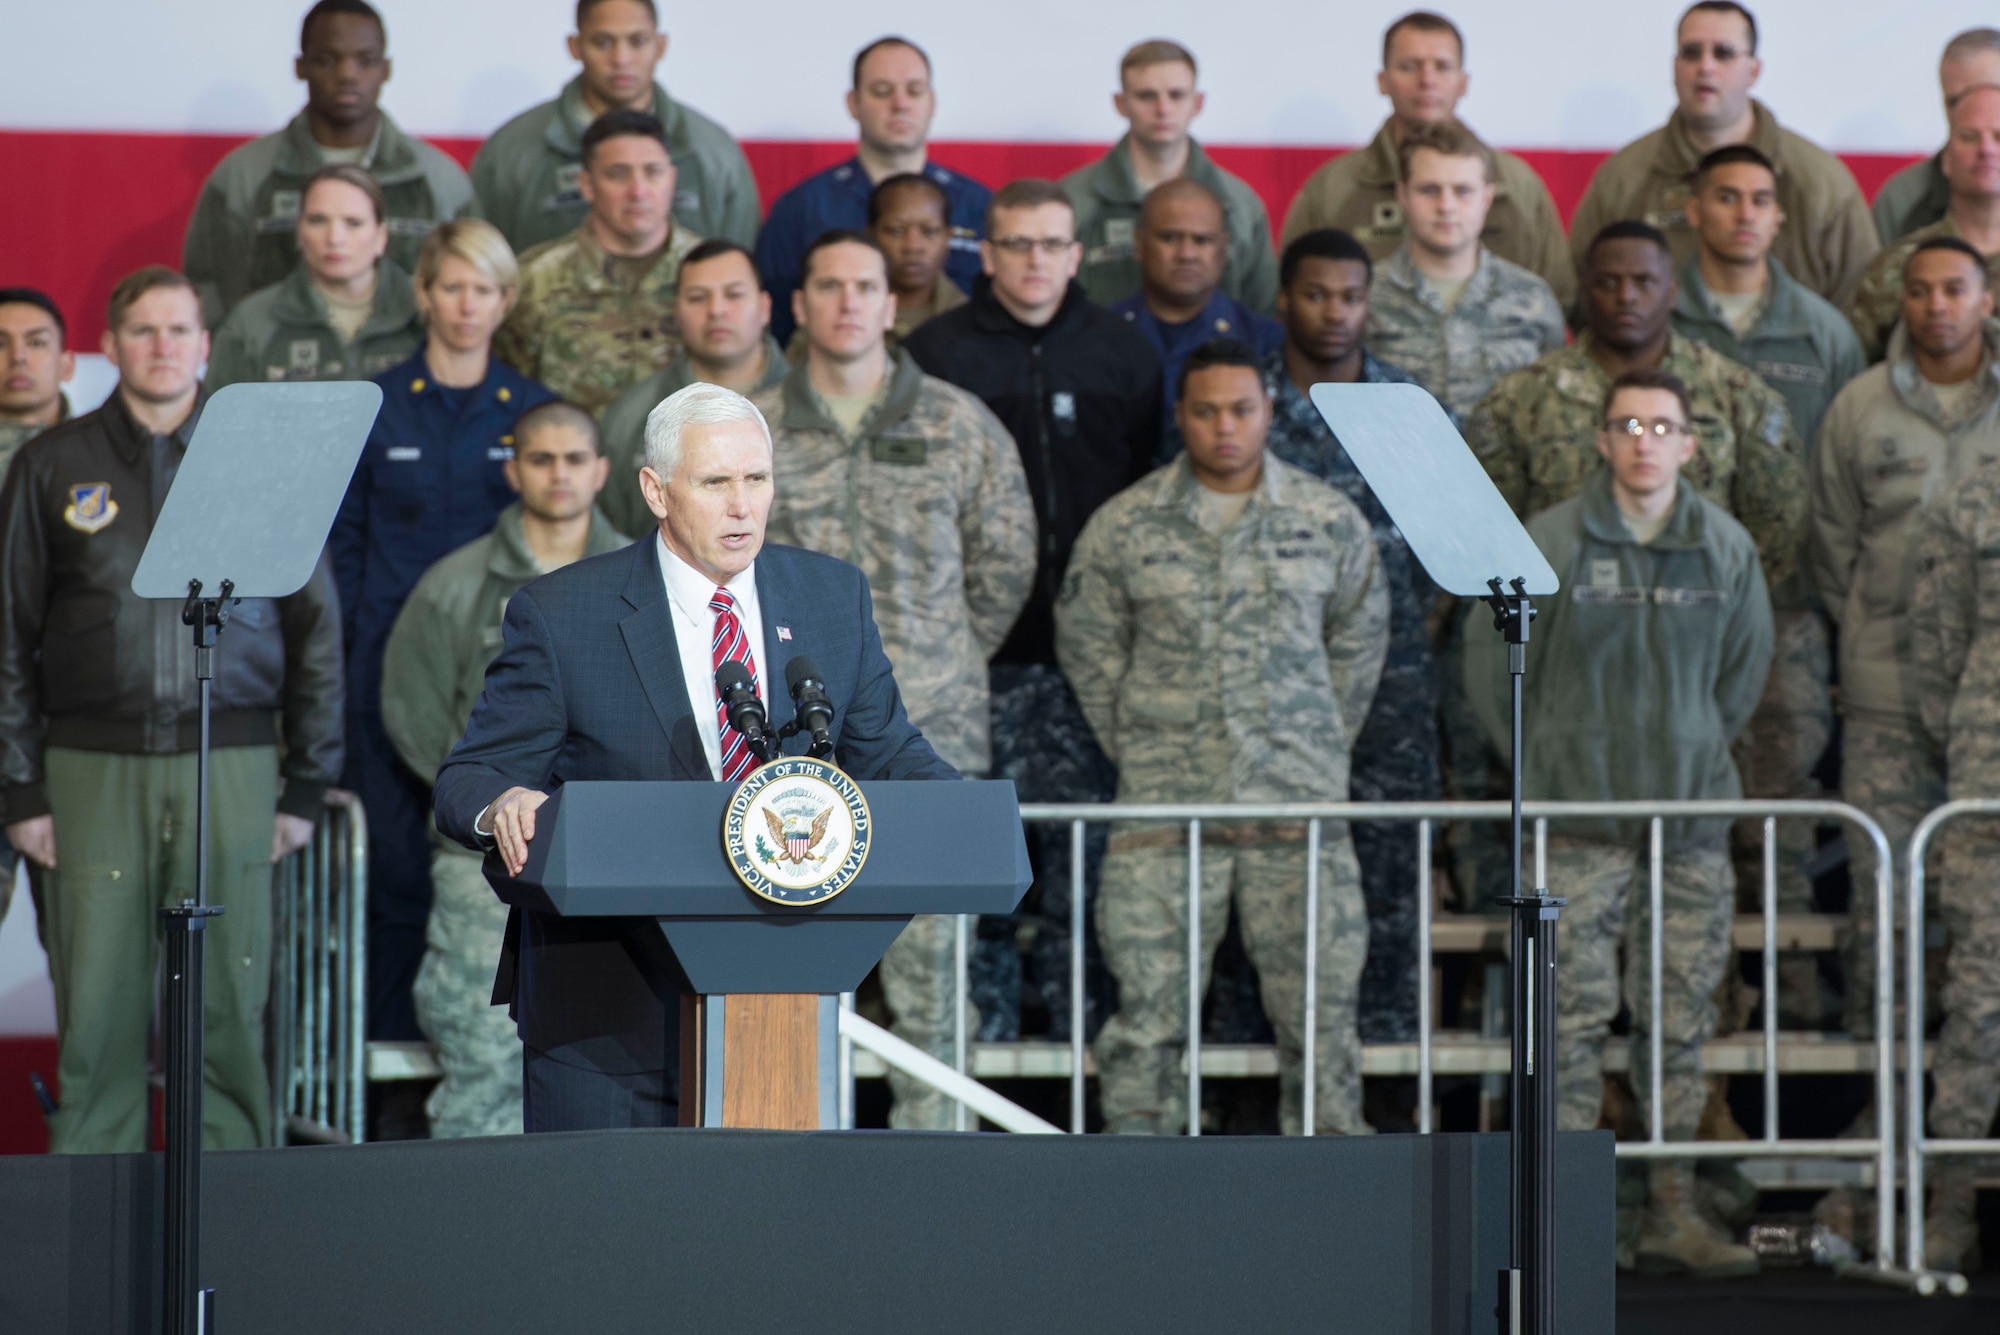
90	507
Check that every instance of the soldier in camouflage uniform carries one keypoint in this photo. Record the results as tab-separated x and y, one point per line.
32	334
916	482
1896	440
526	172
1641	673
1975	191
596	311
1223	624
1424	77
724	318
1739	301
432	671
346	312
1536	432
1444	307
1828	237
1955	657
240	236
1323	304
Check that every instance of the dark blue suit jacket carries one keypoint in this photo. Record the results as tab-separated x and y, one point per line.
589	686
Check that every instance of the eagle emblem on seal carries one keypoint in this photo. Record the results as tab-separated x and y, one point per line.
796	840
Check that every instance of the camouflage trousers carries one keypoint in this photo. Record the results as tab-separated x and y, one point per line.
477	1046
1609	906
1042	742
1776	756
1966	1070
1142	922
1472	771
917	974
1890	769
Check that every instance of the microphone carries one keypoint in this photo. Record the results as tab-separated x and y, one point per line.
745	710
810	706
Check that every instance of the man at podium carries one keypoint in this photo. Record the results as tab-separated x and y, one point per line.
608	672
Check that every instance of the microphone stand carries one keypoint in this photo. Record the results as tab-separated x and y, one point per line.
1528	1286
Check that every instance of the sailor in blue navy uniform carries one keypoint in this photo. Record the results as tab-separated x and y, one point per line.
892	103
431	479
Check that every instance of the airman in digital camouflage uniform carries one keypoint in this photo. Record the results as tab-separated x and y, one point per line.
1738	300
240	235
1955	656
1536	432
432	671
1444	307
526	174
1323	304
916	482
1828	237
1972	166
596	311
1223	624
1424	77
1897	439
1642	671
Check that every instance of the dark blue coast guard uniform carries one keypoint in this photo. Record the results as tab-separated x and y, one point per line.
429	481
838	197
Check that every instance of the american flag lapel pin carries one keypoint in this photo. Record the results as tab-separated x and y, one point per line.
784	632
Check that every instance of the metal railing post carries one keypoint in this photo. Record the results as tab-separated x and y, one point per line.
1078	925
1424	977
1656	897
844	1072
961	982
1309	1104
1194	978
1770	902
1885	1050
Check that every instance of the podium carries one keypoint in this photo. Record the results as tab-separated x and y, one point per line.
759	1032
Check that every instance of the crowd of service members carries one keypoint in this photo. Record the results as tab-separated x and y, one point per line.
1114	551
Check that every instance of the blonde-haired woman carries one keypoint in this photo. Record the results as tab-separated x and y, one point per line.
432	479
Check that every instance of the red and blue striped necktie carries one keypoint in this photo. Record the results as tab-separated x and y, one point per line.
731	645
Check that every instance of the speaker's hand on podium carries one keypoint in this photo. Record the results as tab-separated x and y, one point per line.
510	818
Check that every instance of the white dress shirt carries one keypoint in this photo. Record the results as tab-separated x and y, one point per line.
688	592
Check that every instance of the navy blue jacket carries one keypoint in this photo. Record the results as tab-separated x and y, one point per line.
838	197
588	686
1223	317
429	481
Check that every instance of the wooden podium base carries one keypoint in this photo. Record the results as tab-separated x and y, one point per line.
758	1059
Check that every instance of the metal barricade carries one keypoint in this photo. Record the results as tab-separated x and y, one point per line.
319	988
1426	816
1917	1145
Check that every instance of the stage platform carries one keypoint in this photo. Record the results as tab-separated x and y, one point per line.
1799	1302
724	1231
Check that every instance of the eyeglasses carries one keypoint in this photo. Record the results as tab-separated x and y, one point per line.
1722	51
1051	246
1640	426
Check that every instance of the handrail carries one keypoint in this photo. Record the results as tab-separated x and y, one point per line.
914	1061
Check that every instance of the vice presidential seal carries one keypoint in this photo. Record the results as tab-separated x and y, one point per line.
796	831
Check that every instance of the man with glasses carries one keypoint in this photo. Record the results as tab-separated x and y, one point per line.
1828	237
892	102
1536	433
1183	242
1079	390
1158	98
1642	671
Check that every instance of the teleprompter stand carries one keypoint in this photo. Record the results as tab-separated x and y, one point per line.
254	498
1461	529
